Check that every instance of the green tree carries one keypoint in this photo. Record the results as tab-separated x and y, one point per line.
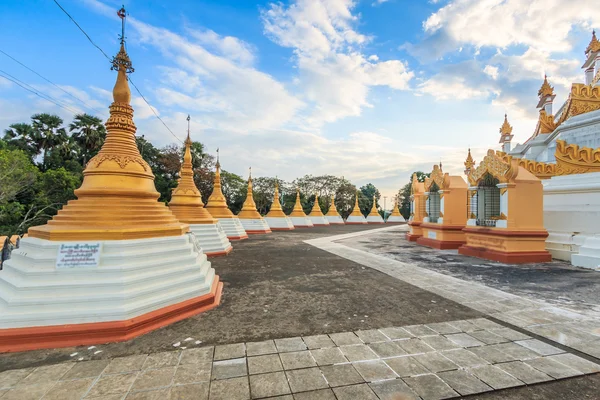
89	133
48	132
17	173
234	189
344	198
21	136
365	199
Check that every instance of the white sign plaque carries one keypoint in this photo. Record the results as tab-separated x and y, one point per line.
78	255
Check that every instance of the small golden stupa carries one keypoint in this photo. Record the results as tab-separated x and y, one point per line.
356	216
276	218
395	216
249	216
374	217
332	214
298	211
117	199
316	215
186	200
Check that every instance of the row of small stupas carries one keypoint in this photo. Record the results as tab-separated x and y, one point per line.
116	263
536	201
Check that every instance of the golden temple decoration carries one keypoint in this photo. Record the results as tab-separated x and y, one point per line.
186	200
502	191
469	163
396	209
582	99
374	212
545	123
571	159
546	89
249	210
506	129
539	169
276	211
217	204
117	199
356	210
332	212
441	180
298	211
594	45
492	163
316	210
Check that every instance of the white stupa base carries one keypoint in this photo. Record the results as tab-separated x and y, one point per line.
589	254
301	222
280	223
255	226
356	220
335	219
212	239
233	228
394	219
319	220
371	219
133	278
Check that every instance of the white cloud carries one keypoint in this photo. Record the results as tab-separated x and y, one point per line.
491	71
333	72
230	47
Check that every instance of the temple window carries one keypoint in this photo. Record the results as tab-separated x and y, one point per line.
488	201
434	203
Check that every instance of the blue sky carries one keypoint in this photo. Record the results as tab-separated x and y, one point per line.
371	89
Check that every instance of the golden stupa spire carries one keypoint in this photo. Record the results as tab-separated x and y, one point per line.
186	200
249	208
332	212
396	209
374	212
298	211
356	209
505	129
316	210
469	164
117	199
217	204
594	45
546	89
276	211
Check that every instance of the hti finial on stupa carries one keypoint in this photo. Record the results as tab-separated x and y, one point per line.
594	45
116	179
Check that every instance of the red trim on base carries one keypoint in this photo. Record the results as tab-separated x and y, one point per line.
321	224
237	237
337	223
523	257
49	337
505	232
283	229
440	227
438	244
371	223
257	232
357	223
412	238
220	253
303	226
395	222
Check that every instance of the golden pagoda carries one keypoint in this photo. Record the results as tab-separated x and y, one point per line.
217	207
250	218
298	216
374	217
469	163
276	218
356	216
316	215
506	137
395	216
186	203
113	264
333	216
117	199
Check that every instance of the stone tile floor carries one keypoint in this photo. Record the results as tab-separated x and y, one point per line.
434	361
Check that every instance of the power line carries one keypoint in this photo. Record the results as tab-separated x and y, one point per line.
110	59
34	91
49	81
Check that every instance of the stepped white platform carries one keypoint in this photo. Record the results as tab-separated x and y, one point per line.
394	219
301	222
371	219
589	254
212	239
255	226
355	220
335	219
318	220
233	228
137	286
280	223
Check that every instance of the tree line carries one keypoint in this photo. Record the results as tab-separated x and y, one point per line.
42	163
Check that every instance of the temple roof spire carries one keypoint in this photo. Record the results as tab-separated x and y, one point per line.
546	89
594	45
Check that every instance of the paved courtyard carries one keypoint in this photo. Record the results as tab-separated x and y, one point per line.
360	315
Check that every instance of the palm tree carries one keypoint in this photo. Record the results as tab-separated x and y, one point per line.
89	133
22	136
48	132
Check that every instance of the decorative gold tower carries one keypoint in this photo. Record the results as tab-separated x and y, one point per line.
298	216
217	207
505	136
333	216
117	199
186	203
469	163
356	216
374	217
395	216
276	218
276	211
316	215
249	216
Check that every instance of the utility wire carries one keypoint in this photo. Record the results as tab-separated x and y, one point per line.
110	59
16	82
52	83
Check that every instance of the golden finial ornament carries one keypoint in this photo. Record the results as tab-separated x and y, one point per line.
117	198
546	89
469	164
505	129
594	45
